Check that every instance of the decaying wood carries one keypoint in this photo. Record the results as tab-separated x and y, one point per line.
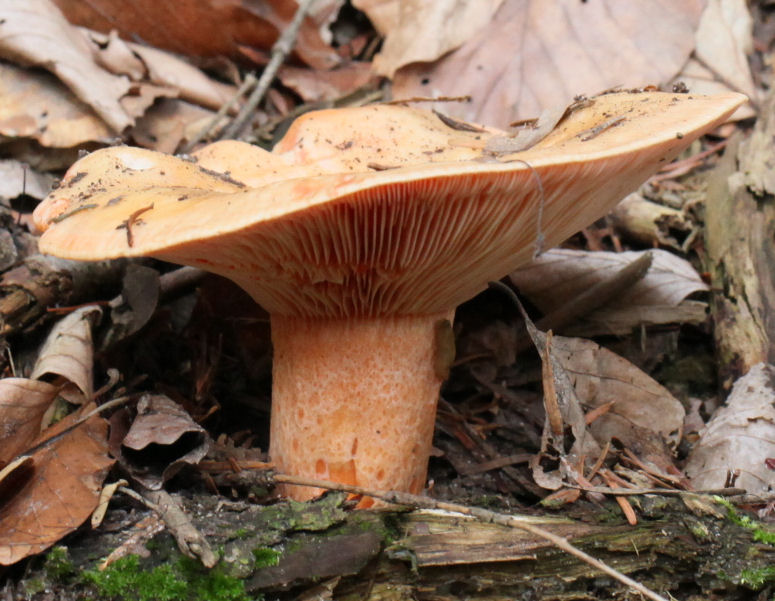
739	233
42	281
436	555
651	223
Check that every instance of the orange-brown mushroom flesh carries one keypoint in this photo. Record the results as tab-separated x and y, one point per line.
359	233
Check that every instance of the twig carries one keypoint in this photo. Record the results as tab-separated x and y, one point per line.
416	501
81	420
190	541
359	97
181	278
281	49
684	166
413	99
250	81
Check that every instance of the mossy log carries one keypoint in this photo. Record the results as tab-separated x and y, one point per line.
321	550
739	234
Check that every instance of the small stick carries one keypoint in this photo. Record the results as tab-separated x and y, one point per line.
593	132
492	517
181	278
82	419
466	98
190	541
281	49
250	81
131	221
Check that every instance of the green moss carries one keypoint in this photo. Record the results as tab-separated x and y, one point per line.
182	580
757	579
760	533
242	533
57	564
266	557
33	586
123	579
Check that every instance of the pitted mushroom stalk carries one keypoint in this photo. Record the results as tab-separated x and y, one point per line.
360	233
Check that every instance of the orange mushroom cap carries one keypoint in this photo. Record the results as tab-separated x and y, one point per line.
373	210
363	227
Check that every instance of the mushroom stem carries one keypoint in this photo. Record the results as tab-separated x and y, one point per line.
354	400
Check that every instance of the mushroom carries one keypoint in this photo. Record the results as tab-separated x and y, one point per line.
360	233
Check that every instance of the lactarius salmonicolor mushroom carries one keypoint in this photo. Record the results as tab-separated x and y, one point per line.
360	233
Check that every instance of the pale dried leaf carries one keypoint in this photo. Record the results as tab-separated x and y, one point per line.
164	429
16	179
559	275
160	67
739	438
35	104
114	54
22	406
58	493
600	376
699	79
68	351
621	321
34	32
193	85
314	86
559	388
421	31
539	53
168	123
724	39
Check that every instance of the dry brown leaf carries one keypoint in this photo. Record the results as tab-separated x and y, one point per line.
34	32
135	306
16	179
539	53
160	67
724	40
702	80
68	351
600	376
204	28
421	31
114	54
34	104
562	274
739	438
161	441
564	417
169	123
314	86
58	493
22	406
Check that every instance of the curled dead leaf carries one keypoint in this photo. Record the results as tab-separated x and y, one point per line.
559	275
22	406
59	492
68	350
740	437
161	441
35	33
